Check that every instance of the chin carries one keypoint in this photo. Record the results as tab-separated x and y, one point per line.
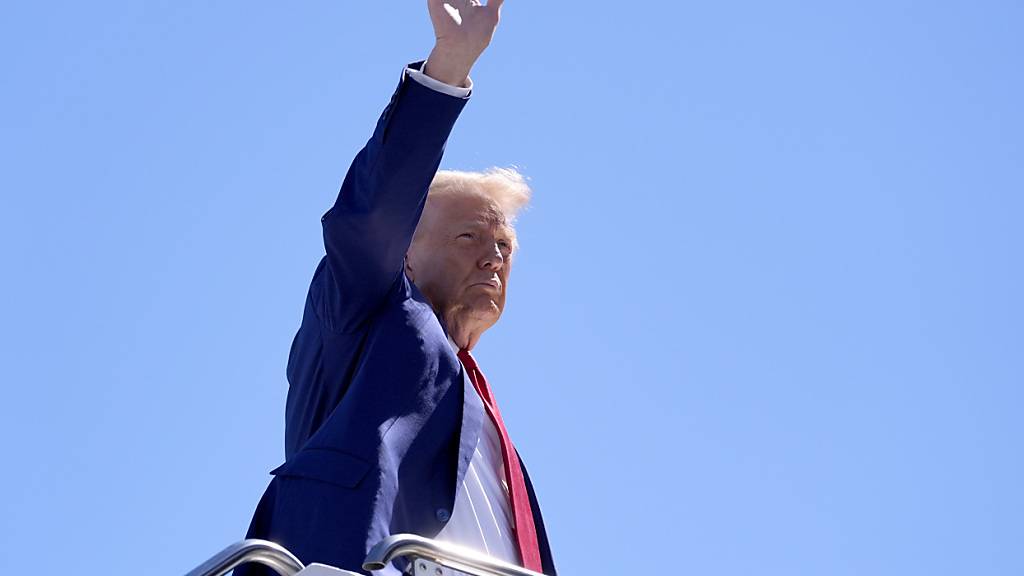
487	310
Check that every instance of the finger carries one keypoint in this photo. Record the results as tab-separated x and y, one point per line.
436	7
443	11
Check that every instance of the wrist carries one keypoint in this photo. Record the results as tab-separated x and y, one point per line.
449	66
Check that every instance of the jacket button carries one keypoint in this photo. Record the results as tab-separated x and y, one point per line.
443	515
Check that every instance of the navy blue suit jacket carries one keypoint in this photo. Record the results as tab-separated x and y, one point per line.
381	419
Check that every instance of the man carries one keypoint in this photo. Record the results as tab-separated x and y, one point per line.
390	425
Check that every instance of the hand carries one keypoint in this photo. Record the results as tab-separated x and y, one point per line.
463	29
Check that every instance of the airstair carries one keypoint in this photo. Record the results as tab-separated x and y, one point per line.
424	557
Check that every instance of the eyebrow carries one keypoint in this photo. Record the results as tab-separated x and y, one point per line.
488	222
502	224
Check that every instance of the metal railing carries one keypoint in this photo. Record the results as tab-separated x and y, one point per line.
262	552
425	556
419	549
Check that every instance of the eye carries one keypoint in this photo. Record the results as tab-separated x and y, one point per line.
466	235
504	245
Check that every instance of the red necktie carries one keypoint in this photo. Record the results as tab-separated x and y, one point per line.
526	531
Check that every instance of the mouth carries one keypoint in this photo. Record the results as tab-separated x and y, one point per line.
492	284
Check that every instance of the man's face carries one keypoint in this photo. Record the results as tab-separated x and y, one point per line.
461	258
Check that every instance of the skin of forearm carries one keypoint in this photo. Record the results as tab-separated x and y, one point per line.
450	65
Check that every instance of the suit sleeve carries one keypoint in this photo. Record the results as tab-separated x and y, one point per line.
368	230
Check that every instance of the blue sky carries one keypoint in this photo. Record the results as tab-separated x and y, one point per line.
766	318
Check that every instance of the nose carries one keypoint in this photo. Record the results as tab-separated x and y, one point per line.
493	260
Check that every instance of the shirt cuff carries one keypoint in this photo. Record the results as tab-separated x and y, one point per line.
437	85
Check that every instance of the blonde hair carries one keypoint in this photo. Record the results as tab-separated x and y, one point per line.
506	186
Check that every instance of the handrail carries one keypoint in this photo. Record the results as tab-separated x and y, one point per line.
262	552
445	554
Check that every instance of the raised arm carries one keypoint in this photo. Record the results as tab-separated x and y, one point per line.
370	227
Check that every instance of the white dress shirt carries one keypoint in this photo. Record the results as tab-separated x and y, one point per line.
482	518
435	84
